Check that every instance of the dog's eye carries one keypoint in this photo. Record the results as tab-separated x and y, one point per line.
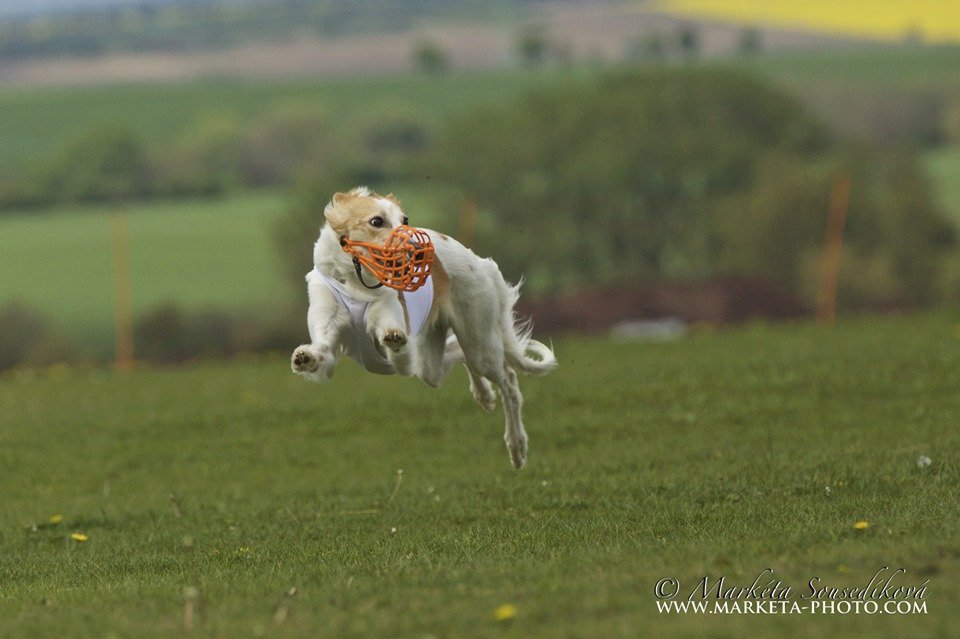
406	220
376	221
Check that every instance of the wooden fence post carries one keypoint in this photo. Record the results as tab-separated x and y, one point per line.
123	307
833	250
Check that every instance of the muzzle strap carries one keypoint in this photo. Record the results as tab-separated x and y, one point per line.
359	267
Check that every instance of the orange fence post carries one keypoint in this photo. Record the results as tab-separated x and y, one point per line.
123	309
833	250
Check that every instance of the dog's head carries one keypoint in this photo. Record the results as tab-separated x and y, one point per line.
361	215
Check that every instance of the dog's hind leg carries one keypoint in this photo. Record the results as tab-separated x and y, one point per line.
482	390
439	353
514	434
436	355
492	367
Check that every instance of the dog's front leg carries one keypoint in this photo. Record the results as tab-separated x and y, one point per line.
326	321
385	322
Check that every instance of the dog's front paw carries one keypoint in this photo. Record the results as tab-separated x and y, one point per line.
309	361
517	447
305	359
394	339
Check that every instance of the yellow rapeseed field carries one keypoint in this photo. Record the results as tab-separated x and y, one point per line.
934	20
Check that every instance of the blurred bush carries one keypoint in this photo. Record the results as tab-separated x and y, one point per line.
28	339
950	121
381	141
534	46
916	117
687	173
105	164
621	177
203	161
429	56
896	241
213	156
170	335
282	143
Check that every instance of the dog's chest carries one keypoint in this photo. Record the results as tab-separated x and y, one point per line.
360	346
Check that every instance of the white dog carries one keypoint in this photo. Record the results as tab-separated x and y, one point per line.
387	331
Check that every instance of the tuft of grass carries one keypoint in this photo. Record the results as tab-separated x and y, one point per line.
234	499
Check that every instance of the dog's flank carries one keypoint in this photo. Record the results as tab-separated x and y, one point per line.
470	320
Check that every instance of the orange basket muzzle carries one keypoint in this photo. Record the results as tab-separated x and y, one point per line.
402	262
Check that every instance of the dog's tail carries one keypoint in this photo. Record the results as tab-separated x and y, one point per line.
524	353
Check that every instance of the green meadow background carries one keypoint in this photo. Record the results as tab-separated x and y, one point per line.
226	247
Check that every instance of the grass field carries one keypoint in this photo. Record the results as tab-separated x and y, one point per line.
39	121
721	454
60	261
933	67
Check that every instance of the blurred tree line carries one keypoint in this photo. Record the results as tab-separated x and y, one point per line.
214	156
658	174
672	173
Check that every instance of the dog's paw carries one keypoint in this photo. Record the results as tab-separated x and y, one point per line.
482	391
394	339
517	447
306	359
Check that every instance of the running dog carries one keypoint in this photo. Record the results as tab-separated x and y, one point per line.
463	313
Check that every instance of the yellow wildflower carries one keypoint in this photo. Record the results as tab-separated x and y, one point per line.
863	524
506	612
79	537
54	519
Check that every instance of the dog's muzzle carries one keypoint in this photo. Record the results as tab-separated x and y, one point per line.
403	262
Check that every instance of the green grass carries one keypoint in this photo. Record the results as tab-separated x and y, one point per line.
707	456
899	67
943	166
37	122
198	254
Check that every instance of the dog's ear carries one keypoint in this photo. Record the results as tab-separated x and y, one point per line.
336	211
